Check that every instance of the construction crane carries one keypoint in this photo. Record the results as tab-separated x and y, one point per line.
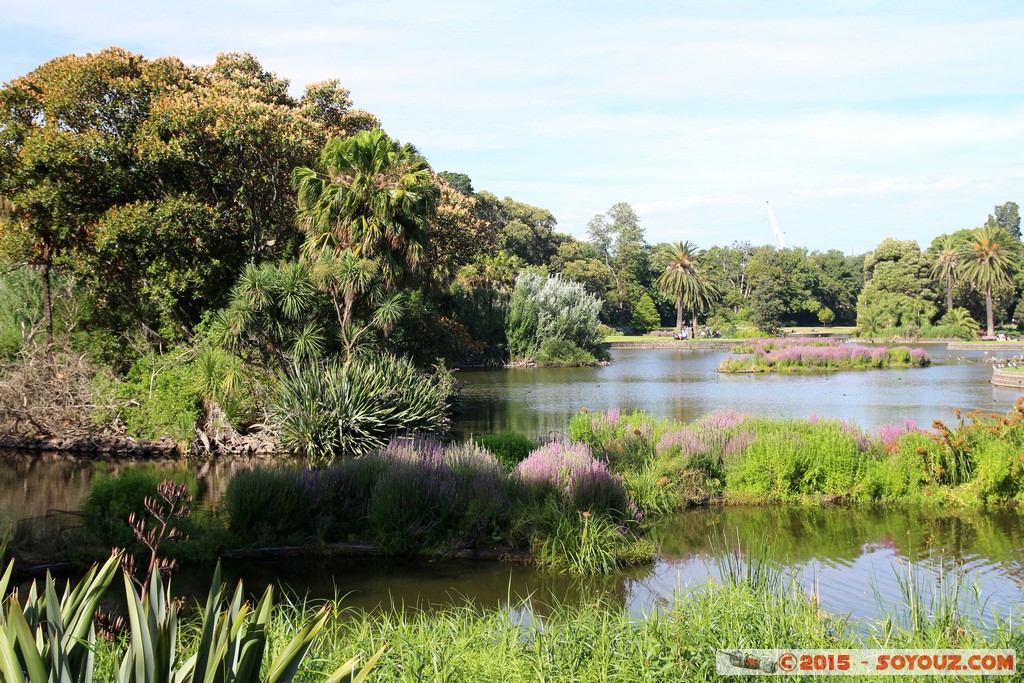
775	226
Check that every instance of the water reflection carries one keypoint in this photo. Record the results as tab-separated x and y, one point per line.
32	485
853	559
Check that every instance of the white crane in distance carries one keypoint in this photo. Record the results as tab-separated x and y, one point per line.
775	226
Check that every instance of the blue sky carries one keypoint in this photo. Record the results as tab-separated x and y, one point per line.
858	120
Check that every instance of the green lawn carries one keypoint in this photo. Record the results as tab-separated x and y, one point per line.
648	338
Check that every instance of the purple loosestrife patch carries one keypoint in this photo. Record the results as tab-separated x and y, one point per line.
433	495
686	440
725	418
739	443
772	354
864	441
891	432
571	472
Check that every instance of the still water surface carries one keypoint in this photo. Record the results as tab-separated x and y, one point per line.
683	385
855	559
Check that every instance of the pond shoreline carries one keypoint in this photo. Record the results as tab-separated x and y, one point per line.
109	447
683	344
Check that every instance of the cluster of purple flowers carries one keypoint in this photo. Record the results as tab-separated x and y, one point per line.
686	440
572	472
715	434
864	440
717	442
890	432
431	493
919	357
725	418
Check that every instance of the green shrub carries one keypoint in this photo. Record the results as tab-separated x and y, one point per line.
894	477
998	473
544	308
645	315
563	353
165	399
510	448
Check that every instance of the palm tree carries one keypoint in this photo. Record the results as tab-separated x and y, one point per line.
961	319
370	194
990	259
685	282
946	265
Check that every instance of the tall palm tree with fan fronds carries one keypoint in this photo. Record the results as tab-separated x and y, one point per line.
370	194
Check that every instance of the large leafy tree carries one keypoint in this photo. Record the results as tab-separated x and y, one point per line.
727	267
154	181
618	240
521	229
899	290
990	259
685	282
786	287
840	279
67	132
1007	217
455	234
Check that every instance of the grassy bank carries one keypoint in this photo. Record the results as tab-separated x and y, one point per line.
748	459
754	606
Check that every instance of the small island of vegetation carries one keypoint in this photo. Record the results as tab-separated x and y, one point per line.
773	355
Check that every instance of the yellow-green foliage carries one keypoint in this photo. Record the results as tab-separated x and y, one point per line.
755	459
893	477
794	457
627	441
998	470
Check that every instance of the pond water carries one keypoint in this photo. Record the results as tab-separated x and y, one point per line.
682	384
855	559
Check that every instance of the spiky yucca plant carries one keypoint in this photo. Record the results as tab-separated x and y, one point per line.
327	411
45	638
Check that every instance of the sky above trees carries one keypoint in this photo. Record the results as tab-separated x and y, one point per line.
857	120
